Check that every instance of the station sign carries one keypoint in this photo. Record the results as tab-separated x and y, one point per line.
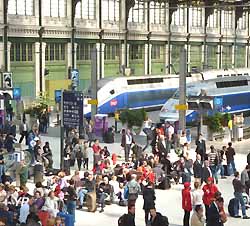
72	109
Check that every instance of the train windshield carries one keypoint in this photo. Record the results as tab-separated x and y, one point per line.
191	91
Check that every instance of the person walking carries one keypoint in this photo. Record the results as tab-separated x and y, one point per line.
149	200
209	190
201	147
206	172
129	141
23	129
197	168
213	162
238	190
230	153
134	190
85	155
197	218
186	203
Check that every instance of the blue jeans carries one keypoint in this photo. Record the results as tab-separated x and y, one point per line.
221	168
81	195
71	208
238	196
214	173
231	168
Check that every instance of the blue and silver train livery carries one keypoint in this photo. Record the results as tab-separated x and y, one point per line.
230	95
144	91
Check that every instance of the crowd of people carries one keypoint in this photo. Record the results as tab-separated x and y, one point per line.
112	182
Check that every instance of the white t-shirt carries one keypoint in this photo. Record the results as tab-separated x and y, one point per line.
197	195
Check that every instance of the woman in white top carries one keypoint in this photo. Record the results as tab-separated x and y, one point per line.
197	194
51	204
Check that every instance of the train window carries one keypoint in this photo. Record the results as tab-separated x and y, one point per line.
226	75
144	81
219	76
233	74
239	74
226	84
246	74
112	91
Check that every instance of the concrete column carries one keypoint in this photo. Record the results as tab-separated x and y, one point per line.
166	57
204	56
246	55
37	67
146	52
219	56
69	53
2	55
100	60
123	54
9	46
188	52
150	58
233	56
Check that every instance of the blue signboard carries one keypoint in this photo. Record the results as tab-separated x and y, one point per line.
58	96
75	77
72	109
17	93
218	103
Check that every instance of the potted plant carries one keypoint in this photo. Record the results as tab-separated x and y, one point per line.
133	119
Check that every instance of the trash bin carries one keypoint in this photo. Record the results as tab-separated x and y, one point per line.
240	133
101	125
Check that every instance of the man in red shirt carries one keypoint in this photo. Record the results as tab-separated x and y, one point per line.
186	203
209	190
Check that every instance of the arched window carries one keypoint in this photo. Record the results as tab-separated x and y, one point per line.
21	7
54	8
110	10
157	13
86	9
137	13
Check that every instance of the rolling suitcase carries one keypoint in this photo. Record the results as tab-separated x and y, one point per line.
231	207
91	201
68	218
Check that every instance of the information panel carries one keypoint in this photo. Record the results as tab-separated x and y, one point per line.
72	109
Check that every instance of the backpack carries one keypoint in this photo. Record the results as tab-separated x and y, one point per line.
133	188
121	220
164	221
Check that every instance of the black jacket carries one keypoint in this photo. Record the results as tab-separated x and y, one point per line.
213	216
129	220
205	174
158	221
149	198
248	159
197	167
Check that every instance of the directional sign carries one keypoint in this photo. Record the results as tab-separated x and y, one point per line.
218	103
75	77
7	80
17	94
58	96
181	107
72	108
93	102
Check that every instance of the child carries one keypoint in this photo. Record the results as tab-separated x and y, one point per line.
186	203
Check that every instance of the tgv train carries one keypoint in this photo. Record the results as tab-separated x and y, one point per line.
230	94
143	91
